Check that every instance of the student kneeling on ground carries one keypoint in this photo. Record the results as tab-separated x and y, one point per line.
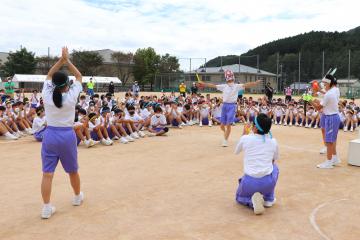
256	187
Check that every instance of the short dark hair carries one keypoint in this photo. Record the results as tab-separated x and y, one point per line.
264	122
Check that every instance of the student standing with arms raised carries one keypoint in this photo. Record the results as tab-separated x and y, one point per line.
59	140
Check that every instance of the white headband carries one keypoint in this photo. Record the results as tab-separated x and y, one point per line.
326	80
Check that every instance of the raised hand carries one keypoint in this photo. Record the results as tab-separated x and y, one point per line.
65	54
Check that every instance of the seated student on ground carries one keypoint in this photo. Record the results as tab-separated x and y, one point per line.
158	123
257	186
39	124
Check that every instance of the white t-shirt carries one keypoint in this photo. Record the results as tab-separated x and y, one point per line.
330	101
134	117
258	154
204	112
217	111
92	126
230	91
158	120
60	117
38	124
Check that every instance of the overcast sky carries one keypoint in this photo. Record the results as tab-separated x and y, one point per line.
184	28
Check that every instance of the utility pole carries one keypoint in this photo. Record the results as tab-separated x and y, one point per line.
299	72
349	69
323	64
281	80
48	63
277	71
239	66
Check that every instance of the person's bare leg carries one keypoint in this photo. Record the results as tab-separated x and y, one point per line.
227	132
75	182
46	184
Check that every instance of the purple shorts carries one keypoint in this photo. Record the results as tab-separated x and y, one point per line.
249	185
59	143
331	125
322	123
94	135
158	129
110	132
205	121
39	135
228	113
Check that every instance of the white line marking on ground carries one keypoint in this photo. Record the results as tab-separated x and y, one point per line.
312	217
299	149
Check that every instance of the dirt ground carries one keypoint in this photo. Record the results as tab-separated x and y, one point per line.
181	186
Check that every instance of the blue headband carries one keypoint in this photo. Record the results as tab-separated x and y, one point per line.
260	128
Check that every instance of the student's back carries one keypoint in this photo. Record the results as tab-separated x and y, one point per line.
259	154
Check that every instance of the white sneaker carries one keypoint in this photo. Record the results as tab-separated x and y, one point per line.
47	211
21	134
93	142
17	134
115	138
258	203
210	123
9	136
105	142
225	143
290	124
345	129
296	124
150	134
276	123
200	124
285	124
307	126
328	164
130	139
335	161
141	134
180	127
269	204
315	126
190	123
123	140
29	131
77	200
134	135
323	150
351	129
87	143
183	124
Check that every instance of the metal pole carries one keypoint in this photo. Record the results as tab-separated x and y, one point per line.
299	72
323	64
239	66
281	77
277	71
258	69
349	71
190	70
48	66
205	68
221	62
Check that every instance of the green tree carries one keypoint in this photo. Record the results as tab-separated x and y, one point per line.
21	62
87	62
147	63
44	63
169	64
123	62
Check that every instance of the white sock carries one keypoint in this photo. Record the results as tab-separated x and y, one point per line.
334	157
47	205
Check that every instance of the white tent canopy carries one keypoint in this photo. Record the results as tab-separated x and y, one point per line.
41	78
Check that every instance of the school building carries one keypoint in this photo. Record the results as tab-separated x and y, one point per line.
215	75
